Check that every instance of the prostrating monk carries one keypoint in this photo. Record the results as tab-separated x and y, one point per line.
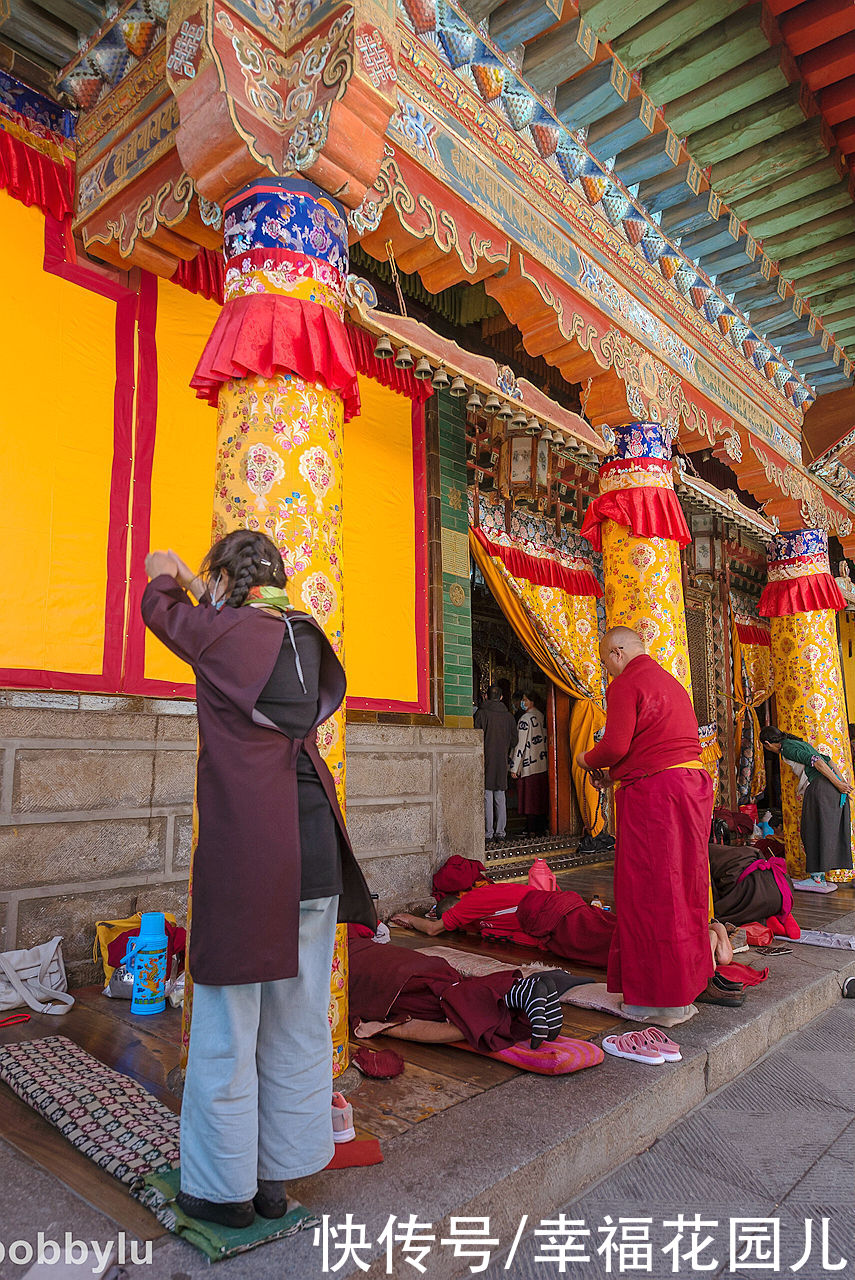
561	922
429	1000
660	958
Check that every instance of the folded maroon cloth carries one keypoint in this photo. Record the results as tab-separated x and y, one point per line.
744	973
458	874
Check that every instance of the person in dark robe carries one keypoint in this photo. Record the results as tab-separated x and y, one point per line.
825	822
661	957
273	871
561	922
750	883
500	736
390	984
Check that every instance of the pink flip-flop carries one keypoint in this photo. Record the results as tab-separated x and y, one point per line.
658	1040
629	1046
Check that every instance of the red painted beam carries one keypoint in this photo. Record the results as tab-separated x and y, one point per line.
777	7
829	63
837	102
845	135
816	23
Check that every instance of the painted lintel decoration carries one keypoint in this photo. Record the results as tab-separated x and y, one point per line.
311	93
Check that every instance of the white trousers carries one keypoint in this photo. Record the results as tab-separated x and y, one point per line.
495	800
257	1097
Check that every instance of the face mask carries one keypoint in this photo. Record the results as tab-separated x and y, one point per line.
218	600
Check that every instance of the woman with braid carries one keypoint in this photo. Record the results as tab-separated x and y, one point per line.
273	871
825	823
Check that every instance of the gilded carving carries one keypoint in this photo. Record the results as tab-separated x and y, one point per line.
165	208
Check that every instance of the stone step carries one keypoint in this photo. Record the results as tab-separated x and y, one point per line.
531	1144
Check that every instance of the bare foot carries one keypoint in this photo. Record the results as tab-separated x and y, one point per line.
720	943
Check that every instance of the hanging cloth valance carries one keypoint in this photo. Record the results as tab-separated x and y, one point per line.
637	493
36	149
283	294
752	685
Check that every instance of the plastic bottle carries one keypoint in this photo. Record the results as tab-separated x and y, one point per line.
597	901
146	958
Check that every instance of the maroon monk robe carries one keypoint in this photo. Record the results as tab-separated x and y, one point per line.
247	862
389	983
660	955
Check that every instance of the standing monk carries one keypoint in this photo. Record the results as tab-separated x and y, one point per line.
660	957
500	737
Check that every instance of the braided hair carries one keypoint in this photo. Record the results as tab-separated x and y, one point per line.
250	560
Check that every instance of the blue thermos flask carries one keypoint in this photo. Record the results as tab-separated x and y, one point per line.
146	959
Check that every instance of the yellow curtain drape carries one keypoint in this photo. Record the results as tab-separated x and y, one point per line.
559	631
752	685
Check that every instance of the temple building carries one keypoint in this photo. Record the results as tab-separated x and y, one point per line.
508	321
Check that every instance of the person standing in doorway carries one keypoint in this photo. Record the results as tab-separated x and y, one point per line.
500	736
529	765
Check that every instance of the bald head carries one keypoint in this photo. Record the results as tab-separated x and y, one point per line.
618	647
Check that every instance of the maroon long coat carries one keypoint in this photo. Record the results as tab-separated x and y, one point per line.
247	863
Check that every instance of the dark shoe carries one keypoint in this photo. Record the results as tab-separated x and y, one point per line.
727	984
713	994
270	1199
240	1214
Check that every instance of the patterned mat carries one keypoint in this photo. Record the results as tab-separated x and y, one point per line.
113	1120
118	1125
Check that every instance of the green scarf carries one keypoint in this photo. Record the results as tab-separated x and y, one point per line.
268	597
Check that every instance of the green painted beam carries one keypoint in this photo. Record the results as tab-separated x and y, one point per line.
809	236
770	161
706	57
743	129
610	18
818	175
800	211
834	303
839	319
478	10
842	274
828	255
670	26
737	89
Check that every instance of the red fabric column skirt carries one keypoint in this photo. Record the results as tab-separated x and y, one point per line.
661	952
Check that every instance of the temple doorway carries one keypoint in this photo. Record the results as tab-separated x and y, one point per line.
499	658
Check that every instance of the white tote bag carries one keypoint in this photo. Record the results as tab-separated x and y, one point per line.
35	978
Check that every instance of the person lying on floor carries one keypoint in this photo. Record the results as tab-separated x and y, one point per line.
751	883
428	999
561	922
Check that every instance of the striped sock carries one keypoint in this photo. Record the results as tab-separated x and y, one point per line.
554	1013
529	995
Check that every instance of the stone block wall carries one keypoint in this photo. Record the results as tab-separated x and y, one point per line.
96	800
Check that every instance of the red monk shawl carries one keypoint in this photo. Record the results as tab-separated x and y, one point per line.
246	866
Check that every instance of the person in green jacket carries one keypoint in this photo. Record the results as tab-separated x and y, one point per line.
825	823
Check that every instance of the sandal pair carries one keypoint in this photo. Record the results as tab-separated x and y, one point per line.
651	1046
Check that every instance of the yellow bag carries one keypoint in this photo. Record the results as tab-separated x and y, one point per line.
106	931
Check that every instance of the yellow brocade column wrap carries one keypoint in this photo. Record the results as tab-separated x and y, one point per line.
644	591
279	437
809	696
801	599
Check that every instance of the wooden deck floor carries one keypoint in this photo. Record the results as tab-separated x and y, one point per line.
435	1078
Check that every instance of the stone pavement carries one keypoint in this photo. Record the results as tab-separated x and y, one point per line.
751	1121
778	1143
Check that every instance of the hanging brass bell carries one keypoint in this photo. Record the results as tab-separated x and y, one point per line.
440	379
458	387
383	349
423	369
404	359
